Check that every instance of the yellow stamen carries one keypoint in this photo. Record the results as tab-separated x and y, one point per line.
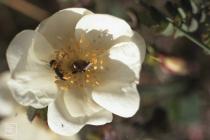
70	74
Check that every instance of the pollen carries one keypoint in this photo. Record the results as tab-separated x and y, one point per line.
97	83
87	75
95	67
77	67
101	67
94	60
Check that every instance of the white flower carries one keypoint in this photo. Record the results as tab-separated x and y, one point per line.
82	65
15	124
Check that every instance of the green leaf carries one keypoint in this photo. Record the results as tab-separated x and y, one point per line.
31	113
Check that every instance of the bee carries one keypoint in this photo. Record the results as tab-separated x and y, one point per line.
80	66
58	71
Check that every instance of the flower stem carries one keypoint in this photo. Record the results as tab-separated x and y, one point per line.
206	48
203	46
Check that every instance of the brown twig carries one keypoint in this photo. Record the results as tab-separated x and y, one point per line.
26	8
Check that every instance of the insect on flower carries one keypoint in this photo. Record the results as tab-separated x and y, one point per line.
58	71
80	66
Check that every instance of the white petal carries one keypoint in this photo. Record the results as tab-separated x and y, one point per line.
129	53
140	43
32	83
100	118
120	99
28	95
60	121
115	71
20	45
79	103
41	48
100	30
59	28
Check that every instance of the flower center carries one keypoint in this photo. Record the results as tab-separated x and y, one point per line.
80	66
74	67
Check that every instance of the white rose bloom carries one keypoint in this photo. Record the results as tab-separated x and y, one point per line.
15	124
83	66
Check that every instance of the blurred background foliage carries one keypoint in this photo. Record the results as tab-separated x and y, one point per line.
175	79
